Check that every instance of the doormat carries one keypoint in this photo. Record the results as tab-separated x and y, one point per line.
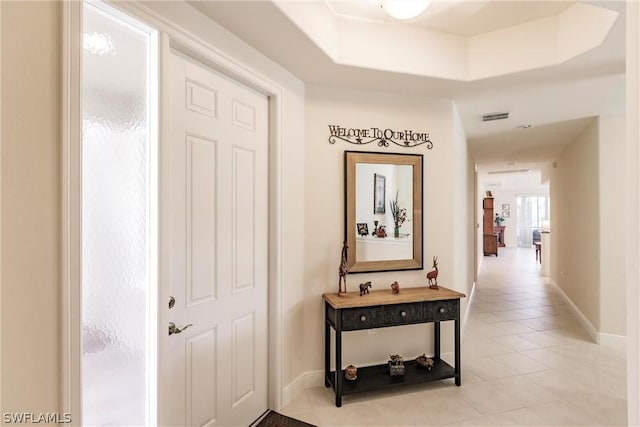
274	419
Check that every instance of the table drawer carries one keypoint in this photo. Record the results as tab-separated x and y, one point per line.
440	310
400	314
362	318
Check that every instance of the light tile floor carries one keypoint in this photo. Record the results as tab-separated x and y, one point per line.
526	361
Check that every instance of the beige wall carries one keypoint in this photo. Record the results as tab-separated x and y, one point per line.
613	206
463	211
31	75
588	205
447	211
632	218
575	224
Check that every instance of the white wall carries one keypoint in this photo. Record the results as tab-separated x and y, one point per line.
632	247
463	210
613	205
587	206
447	216
575	224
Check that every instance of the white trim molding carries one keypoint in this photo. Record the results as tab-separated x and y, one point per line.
465	317
71	271
588	326
608	340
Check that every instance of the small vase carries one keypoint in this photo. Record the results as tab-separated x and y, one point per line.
396	231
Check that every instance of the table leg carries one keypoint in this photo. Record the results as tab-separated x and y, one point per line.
436	340
338	380
457	349
327	349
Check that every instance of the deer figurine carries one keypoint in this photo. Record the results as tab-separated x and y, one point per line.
432	276
342	270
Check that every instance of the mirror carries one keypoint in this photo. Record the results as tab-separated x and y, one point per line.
383	221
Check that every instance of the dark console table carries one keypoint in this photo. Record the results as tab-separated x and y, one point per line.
381	309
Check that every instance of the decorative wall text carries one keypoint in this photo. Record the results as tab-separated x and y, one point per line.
403	138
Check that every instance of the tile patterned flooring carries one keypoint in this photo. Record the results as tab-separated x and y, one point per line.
526	362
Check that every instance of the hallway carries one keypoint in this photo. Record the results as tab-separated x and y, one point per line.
525	361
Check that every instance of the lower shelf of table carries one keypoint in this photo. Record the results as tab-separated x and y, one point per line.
377	377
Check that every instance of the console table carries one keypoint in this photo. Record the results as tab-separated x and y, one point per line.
381	309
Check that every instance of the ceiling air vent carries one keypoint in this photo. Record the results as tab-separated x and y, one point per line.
495	116
509	171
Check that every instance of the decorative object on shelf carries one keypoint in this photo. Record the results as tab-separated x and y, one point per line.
489	194
405	138
381	232
396	365
375	228
395	288
343	269
351	373
399	215
424	362
432	276
379	193
498	220
396	359
363	229
364	288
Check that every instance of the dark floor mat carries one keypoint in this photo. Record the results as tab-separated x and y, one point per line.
274	419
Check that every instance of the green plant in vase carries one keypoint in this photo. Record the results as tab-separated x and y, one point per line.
499	220
399	215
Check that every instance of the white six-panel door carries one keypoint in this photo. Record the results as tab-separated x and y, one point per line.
214	181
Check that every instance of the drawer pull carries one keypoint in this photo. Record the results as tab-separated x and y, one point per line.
363	318
441	310
403	314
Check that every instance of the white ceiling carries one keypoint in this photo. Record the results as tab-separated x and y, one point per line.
558	101
464	18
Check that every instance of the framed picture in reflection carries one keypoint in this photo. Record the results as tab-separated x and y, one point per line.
379	186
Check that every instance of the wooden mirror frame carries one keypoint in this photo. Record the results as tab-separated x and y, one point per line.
351	158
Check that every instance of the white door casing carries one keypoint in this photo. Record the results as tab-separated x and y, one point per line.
214	185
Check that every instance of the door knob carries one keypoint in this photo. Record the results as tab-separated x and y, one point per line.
175	330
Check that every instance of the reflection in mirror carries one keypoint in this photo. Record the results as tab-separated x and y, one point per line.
383	211
371	191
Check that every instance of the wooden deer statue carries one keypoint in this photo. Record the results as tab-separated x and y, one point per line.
342	270
432	276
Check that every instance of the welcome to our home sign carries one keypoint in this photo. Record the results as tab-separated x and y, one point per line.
403	138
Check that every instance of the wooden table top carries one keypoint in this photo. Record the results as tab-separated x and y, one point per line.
386	297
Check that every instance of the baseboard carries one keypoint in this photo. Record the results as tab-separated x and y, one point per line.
465	317
586	324
292	390
314	379
612	340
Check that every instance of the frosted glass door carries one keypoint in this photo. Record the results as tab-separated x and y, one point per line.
116	181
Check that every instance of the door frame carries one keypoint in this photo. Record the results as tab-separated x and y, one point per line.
170	36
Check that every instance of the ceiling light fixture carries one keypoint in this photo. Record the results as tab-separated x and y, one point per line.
404	9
